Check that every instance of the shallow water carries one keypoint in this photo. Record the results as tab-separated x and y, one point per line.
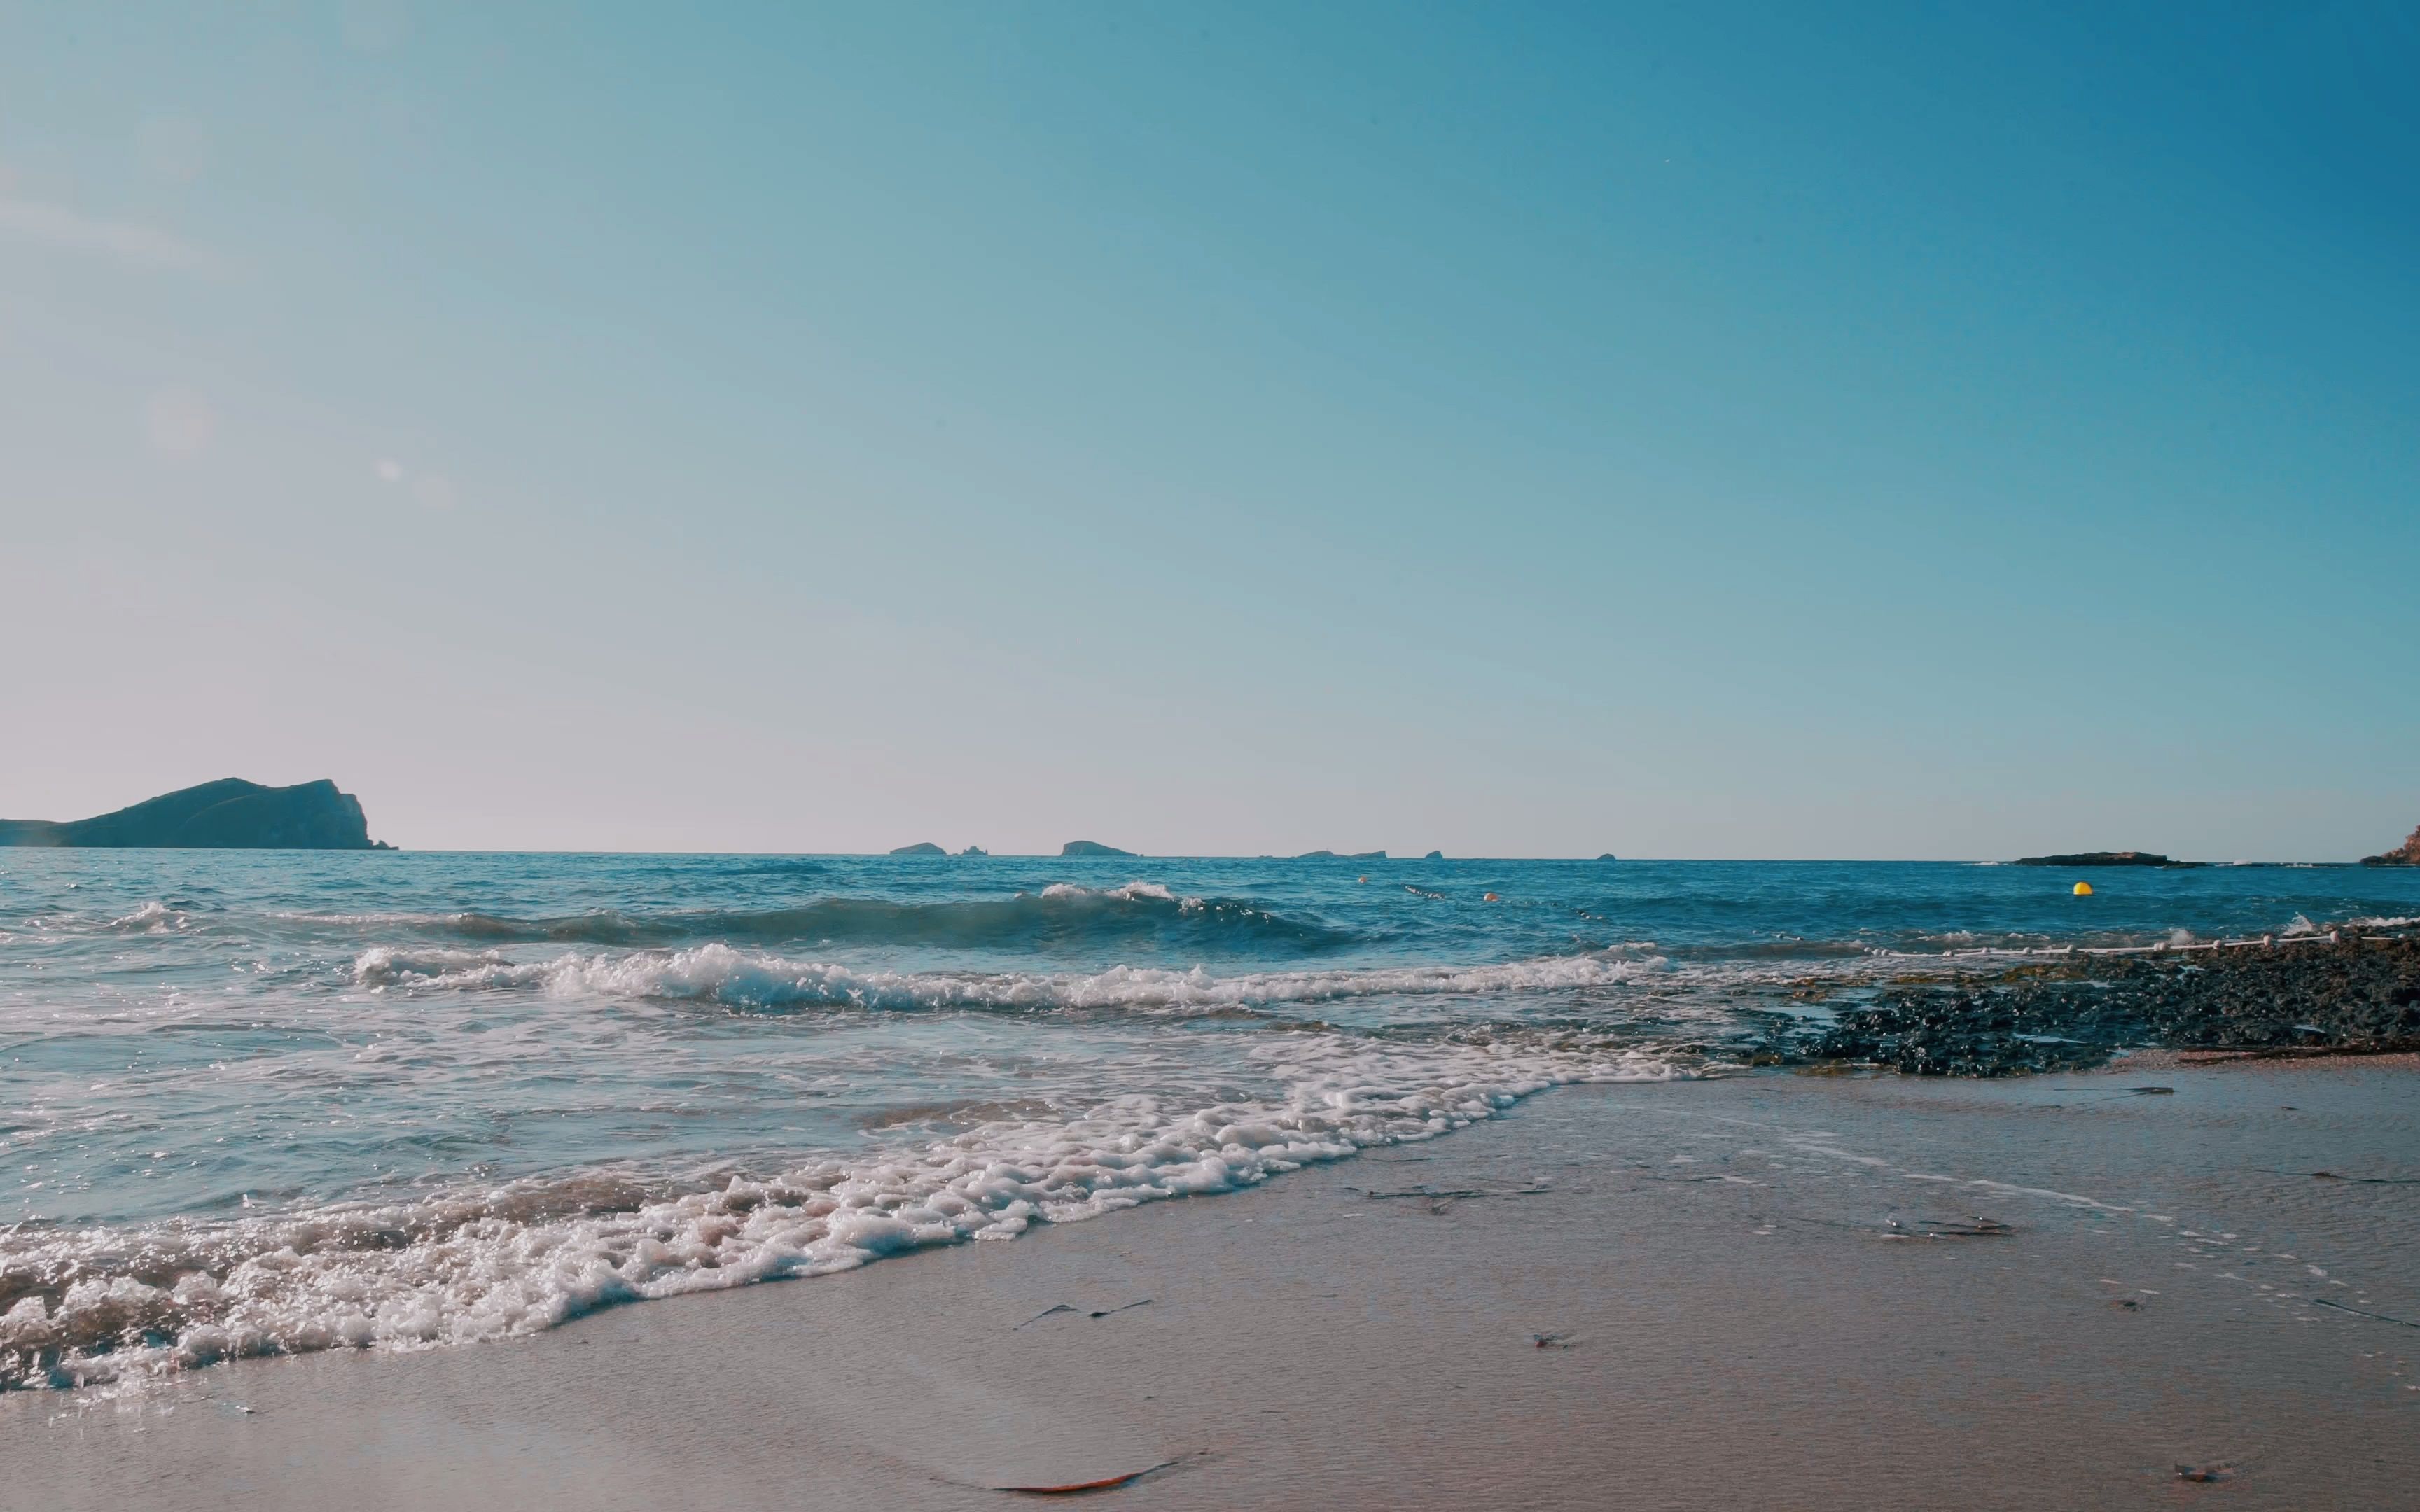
282	1101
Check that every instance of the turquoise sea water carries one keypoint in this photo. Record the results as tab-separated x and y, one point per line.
285	1100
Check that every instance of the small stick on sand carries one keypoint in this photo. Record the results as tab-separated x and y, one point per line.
1108	1483
1063	1308
2358	1313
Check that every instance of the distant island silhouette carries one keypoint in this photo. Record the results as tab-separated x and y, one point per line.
228	814
2105	858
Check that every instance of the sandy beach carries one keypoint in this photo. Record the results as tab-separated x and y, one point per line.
1214	758
1771	1288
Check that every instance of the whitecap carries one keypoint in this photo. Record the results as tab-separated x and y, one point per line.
718	973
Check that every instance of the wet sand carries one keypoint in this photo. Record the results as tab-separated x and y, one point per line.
1732	1318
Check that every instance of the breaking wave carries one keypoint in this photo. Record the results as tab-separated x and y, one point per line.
1062	916
718	973
98	1304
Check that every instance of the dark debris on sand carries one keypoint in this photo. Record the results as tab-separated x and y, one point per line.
2358	997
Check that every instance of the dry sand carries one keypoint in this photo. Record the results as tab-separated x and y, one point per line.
1734	1325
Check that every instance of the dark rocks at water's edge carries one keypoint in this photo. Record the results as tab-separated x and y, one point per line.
974	850
2106	858
923	847
1091	847
1434	855
2358	997
228	814
1609	856
2407	853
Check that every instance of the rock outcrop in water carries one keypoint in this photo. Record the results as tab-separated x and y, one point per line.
2104	858
1091	847
1342	855
228	814
2407	853
923	847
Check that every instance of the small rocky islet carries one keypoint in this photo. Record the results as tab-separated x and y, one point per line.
2105	858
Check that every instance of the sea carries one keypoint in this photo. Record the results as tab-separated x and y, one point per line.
258	1103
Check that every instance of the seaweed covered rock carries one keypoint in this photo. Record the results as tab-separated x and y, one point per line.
2361	995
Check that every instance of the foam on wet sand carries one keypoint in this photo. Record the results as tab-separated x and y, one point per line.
1732	1281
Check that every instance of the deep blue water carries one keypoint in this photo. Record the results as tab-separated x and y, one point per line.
407	1097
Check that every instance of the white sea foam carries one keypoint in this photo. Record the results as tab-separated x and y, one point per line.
151	918
1131	893
482	1266
718	973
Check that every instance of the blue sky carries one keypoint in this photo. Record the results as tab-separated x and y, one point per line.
1522	430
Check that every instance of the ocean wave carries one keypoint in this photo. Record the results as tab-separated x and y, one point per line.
718	973
94	1305
1061	917
154	918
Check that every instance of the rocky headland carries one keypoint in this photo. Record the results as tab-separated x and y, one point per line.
1091	847
2407	853
228	814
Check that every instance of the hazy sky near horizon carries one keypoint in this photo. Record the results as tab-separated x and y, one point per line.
1682	430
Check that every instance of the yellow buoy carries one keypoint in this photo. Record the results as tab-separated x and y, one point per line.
2084	889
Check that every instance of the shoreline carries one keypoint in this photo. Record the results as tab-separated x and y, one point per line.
2163	1059
1725	1272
